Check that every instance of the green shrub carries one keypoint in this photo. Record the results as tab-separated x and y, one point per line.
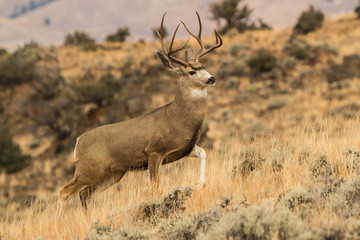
78	38
153	69
262	61
232	82
82	40
11	158
48	81
235	48
306	52
348	69
98	92
263	25
298	49
164	33
3	51
309	21
19	67
89	47
227	69
357	10
227	10
119	36
235	17
59	115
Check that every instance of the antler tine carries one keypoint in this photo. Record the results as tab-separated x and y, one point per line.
181	62
198	37
160	33
219	42
172	42
200	25
171	51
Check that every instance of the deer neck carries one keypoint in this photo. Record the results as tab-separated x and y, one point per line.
190	101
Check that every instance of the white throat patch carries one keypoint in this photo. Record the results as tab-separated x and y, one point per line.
199	92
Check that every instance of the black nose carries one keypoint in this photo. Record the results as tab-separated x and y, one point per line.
211	80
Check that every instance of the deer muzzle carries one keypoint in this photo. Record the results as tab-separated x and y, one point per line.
211	81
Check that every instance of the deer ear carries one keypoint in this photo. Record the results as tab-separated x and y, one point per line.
166	61
190	55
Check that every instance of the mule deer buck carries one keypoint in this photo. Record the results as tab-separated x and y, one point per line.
104	154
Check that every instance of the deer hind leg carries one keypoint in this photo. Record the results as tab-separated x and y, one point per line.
85	195
154	162
201	154
103	184
67	191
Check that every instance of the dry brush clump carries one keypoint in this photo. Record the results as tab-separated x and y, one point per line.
194	227
259	222
352	159
104	232
250	160
337	196
171	203
11	157
320	167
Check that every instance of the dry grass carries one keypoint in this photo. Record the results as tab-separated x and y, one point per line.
118	206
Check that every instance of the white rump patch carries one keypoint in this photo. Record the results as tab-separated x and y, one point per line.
77	140
198	92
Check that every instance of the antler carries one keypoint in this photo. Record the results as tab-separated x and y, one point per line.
171	51
198	39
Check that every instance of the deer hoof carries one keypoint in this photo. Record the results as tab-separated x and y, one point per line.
200	185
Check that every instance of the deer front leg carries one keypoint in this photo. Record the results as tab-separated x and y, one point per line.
201	154
154	162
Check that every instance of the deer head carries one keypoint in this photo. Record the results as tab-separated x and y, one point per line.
191	68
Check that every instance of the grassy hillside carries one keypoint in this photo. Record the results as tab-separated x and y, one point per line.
281	135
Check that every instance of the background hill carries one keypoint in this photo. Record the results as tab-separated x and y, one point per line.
51	22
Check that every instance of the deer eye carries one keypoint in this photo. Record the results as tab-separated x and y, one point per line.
192	72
